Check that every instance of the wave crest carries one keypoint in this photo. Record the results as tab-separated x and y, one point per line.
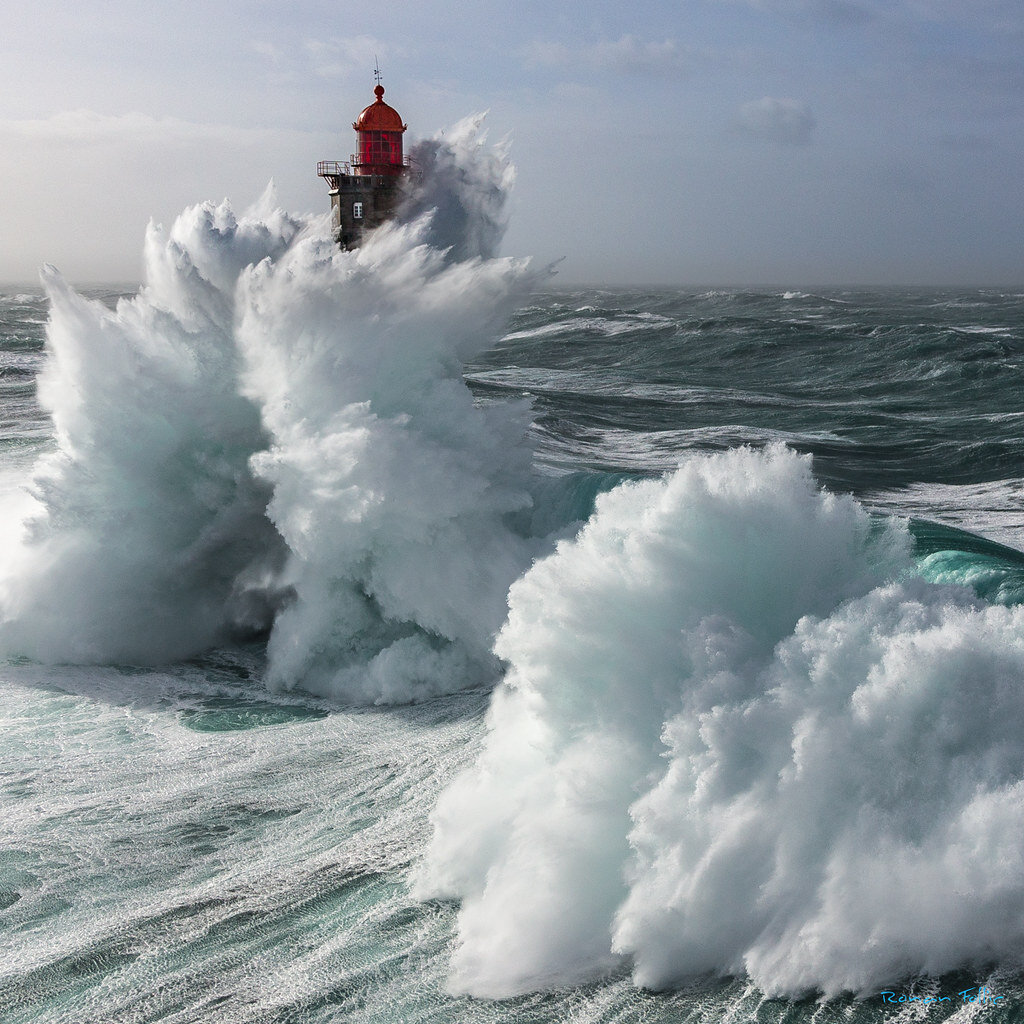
738	737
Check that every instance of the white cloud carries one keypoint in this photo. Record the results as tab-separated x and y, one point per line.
267	49
785	121
334	58
71	127
628	55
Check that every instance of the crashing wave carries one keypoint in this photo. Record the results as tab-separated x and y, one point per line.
738	736
275	434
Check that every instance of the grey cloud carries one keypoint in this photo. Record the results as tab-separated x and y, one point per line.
966	142
844	11
785	121
850	12
627	55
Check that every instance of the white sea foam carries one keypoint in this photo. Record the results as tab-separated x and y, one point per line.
607	326
390	486
736	736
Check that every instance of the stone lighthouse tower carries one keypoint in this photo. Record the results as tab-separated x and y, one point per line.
365	190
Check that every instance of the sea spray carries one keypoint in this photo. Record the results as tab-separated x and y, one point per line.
151	520
391	487
274	434
737	736
464	186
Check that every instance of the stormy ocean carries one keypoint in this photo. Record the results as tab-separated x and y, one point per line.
393	636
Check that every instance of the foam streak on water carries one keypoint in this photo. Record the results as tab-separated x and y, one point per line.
169	858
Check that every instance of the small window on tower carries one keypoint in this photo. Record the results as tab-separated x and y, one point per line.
357	211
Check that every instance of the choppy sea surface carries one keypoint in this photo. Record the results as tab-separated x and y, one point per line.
183	842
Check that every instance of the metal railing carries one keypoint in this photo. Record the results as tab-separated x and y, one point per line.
332	168
355	162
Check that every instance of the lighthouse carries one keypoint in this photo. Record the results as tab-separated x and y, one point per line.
366	189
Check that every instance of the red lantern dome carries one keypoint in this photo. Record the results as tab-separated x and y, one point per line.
379	116
379	129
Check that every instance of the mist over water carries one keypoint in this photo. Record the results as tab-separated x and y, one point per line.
560	687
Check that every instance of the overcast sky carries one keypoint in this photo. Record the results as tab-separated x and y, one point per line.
792	142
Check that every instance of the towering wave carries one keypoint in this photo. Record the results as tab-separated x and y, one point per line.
738	736
275	433
391	489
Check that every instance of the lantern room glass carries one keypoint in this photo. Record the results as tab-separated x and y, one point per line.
380	148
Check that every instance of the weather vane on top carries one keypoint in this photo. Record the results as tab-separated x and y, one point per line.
376	70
